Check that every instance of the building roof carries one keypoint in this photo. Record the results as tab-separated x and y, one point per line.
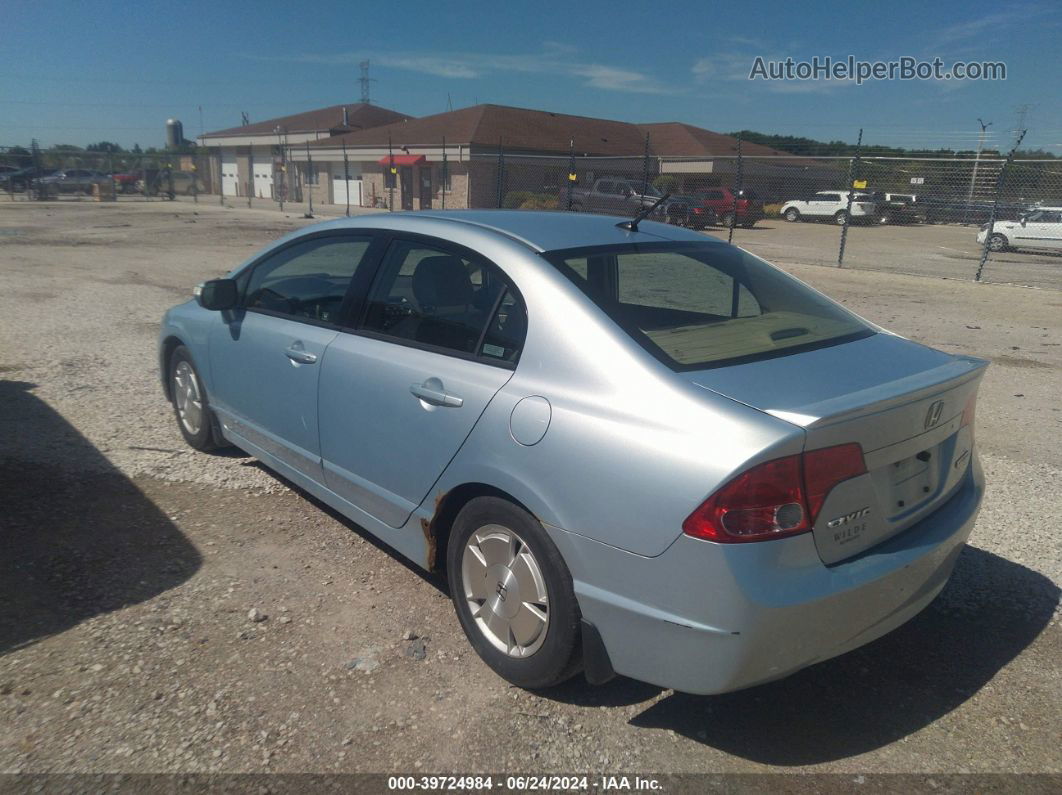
522	129
517	129
360	116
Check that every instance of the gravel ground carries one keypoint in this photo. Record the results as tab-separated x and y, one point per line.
163	610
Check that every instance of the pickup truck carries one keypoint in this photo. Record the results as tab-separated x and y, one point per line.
617	196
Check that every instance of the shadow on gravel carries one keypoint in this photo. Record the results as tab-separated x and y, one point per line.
77	540
991	610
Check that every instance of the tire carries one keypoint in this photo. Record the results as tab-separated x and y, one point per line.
748	224
840	217
195	424
883	219
727	219
998	242
792	214
500	559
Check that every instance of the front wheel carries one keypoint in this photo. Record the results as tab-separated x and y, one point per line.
792	214
513	594
840	218
190	404
727	220
998	242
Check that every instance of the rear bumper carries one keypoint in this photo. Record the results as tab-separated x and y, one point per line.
711	618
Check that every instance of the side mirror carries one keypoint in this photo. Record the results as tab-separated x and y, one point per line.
217	294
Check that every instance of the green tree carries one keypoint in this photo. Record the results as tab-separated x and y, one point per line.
106	147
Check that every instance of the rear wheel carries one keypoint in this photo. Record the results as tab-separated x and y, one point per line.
727	219
840	218
513	594
792	214
190	404
998	242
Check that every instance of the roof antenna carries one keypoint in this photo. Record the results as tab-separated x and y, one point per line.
644	213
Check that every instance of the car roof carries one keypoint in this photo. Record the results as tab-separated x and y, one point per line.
538	230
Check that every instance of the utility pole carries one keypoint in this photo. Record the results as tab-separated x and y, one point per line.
977	161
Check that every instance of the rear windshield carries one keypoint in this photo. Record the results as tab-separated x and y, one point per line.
697	305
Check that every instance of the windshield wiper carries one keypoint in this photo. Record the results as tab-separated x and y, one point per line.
643	214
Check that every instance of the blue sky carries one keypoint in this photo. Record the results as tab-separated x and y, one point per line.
76	72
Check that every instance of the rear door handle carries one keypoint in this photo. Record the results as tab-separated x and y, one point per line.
432	393
300	356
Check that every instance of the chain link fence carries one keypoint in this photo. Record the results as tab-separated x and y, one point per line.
34	174
966	216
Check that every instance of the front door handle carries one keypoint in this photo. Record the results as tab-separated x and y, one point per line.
431	391
300	356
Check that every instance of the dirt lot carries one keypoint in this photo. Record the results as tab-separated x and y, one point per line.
131	564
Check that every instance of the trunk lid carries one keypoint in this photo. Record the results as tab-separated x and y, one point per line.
901	401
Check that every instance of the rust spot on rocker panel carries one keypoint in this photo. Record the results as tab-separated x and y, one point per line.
427	526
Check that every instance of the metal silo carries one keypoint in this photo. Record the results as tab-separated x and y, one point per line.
174	134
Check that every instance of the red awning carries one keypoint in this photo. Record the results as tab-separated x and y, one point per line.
403	160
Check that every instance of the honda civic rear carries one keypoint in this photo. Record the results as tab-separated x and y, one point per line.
821	538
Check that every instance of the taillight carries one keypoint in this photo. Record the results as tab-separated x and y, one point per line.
825	468
775	499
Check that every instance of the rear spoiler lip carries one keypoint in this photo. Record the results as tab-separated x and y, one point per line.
906	390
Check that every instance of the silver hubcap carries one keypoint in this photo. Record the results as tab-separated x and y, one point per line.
505	590
187	398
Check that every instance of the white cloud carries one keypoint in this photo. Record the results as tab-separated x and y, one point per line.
554	59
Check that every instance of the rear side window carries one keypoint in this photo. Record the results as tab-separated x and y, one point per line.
699	305
442	299
307	281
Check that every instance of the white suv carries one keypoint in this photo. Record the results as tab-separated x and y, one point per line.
1039	228
830	204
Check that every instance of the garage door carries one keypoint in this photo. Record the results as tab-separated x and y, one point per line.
341	188
263	178
229	179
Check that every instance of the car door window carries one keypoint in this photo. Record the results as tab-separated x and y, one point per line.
307	281
438	298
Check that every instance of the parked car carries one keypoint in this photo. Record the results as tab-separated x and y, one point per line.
699	215
1039	229
618	196
832	205
71	180
180	183
633	450
126	182
898	208
21	179
744	207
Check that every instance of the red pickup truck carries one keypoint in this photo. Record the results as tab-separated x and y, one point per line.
745	207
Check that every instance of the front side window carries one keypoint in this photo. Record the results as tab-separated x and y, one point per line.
702	304
307	281
442	299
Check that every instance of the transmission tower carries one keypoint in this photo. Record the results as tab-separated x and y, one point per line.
365	80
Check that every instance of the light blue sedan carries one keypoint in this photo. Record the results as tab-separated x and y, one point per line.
633	448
